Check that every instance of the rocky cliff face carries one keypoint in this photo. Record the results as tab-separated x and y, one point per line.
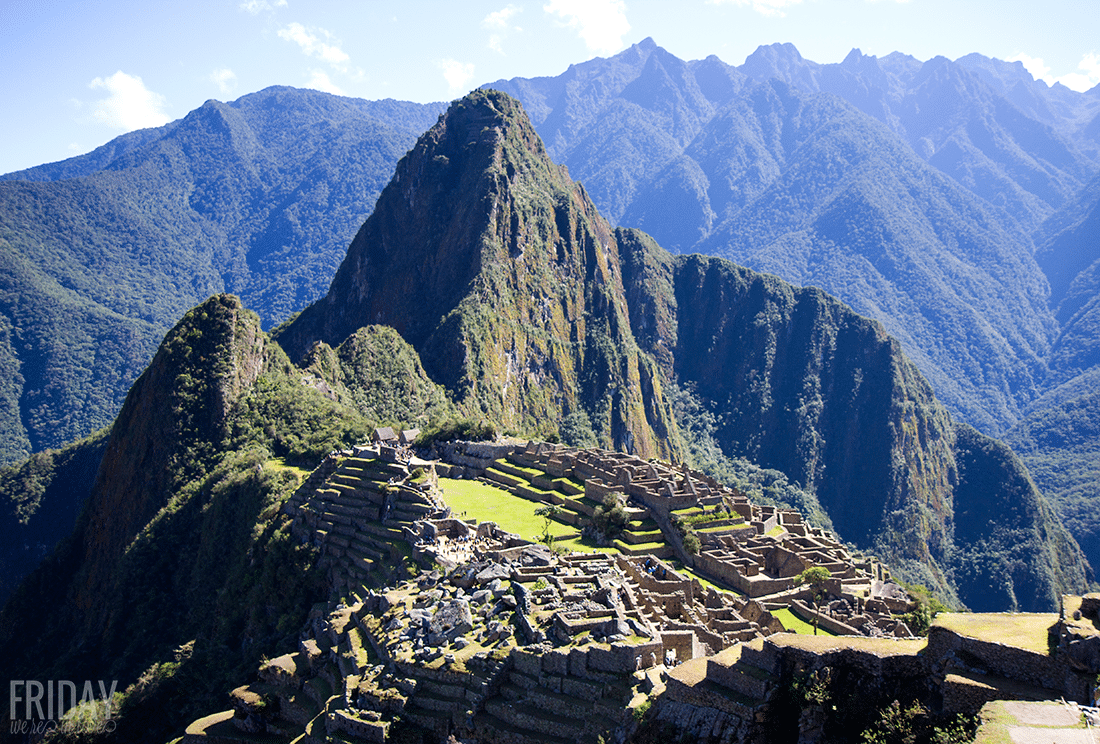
800	383
166	432
498	269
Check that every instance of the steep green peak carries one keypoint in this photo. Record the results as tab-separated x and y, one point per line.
486	133
442	220
171	426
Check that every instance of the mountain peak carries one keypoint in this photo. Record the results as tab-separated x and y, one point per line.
429	223
496	267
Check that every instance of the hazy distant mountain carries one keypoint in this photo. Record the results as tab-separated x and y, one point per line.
101	254
1059	438
765	164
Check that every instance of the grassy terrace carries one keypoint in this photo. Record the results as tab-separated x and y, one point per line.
793	622
1026	630
728	527
881	647
278	464
485	503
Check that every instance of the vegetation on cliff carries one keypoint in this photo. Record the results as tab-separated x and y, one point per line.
182	543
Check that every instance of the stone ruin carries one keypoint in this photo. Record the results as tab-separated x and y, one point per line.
502	640
756	550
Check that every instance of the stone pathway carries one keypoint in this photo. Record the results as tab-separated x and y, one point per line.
1037	723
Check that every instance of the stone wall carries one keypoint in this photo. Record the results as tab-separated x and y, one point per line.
1041	670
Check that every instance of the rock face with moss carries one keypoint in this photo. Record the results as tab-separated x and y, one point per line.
498	270
530	311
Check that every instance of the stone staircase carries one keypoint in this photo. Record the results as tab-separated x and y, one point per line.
738	681
354	509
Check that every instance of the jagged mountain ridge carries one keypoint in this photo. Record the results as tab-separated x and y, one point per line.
702	156
799	382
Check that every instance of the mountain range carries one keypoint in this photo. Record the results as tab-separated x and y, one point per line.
487	284
936	198
101	254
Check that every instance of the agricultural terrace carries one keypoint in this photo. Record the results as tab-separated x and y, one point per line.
472	499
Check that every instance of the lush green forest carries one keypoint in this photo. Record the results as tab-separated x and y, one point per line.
102	254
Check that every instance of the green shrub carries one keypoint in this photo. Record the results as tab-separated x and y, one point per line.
452	429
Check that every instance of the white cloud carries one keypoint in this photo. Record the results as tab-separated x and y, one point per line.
601	24
775	8
319	80
255	7
312	45
1034	65
498	22
225	79
499	18
1087	77
130	105
457	74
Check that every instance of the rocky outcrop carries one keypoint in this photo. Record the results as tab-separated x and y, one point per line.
175	410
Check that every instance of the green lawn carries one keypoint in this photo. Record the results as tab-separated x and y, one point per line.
471	499
534	473
279	463
793	622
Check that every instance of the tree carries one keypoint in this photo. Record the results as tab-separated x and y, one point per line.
610	519
548	513
815	576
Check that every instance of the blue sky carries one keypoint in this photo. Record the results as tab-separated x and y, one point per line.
78	74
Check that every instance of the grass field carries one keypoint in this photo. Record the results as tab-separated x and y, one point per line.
476	500
1024	630
793	622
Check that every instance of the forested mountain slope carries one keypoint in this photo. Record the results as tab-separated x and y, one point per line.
1059	438
762	164
99	255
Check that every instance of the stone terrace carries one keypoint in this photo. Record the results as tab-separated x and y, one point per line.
358	507
756	550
